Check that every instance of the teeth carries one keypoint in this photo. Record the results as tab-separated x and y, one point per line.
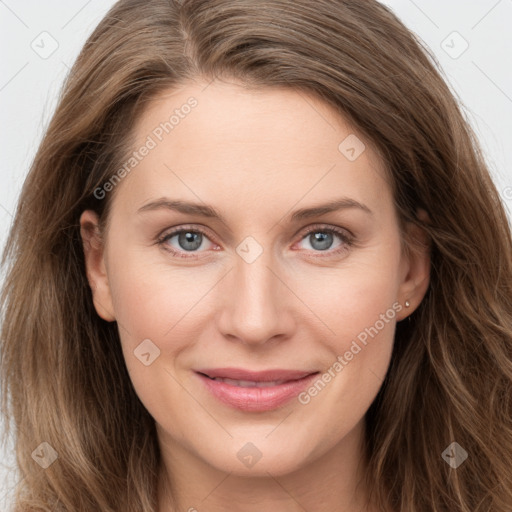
250	383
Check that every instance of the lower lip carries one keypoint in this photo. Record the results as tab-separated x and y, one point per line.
256	399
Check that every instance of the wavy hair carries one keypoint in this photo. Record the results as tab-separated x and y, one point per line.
64	379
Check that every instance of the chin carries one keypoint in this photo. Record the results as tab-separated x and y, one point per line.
260	457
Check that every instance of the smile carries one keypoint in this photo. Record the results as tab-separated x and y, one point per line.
256	391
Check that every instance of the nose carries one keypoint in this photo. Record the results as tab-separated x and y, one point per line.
256	303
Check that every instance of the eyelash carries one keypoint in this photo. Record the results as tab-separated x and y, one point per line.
347	240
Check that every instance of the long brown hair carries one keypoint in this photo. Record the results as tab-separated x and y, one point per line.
64	380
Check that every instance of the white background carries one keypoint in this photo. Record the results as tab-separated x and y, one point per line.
481	77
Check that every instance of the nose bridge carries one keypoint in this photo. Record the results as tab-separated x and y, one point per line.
255	308
255	284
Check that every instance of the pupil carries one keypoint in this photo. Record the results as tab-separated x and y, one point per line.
321	241
190	241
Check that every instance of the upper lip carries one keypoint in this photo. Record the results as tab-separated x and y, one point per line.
260	376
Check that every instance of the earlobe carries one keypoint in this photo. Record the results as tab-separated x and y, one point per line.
95	265
417	268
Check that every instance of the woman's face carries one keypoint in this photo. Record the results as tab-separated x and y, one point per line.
256	233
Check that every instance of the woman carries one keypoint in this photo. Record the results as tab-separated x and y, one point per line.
258	264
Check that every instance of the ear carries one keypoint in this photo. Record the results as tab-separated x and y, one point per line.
416	268
93	245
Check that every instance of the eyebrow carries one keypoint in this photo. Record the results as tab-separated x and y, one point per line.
205	210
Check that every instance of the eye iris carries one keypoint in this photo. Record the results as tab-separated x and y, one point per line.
324	240
189	237
192	240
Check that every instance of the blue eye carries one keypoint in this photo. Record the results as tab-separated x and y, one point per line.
320	238
189	240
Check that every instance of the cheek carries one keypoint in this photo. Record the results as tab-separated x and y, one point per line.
360	312
361	321
157	303
150	295
358	309
355	296
154	307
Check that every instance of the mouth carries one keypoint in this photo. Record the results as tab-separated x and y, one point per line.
248	383
255	391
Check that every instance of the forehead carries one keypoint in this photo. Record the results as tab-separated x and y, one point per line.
251	146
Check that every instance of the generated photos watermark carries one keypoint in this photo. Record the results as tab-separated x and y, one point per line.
343	360
152	140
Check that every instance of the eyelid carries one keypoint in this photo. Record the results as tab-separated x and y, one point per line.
343	232
169	233
347	237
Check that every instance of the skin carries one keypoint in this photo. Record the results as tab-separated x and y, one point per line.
256	156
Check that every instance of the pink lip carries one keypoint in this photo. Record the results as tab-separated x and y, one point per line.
252	398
